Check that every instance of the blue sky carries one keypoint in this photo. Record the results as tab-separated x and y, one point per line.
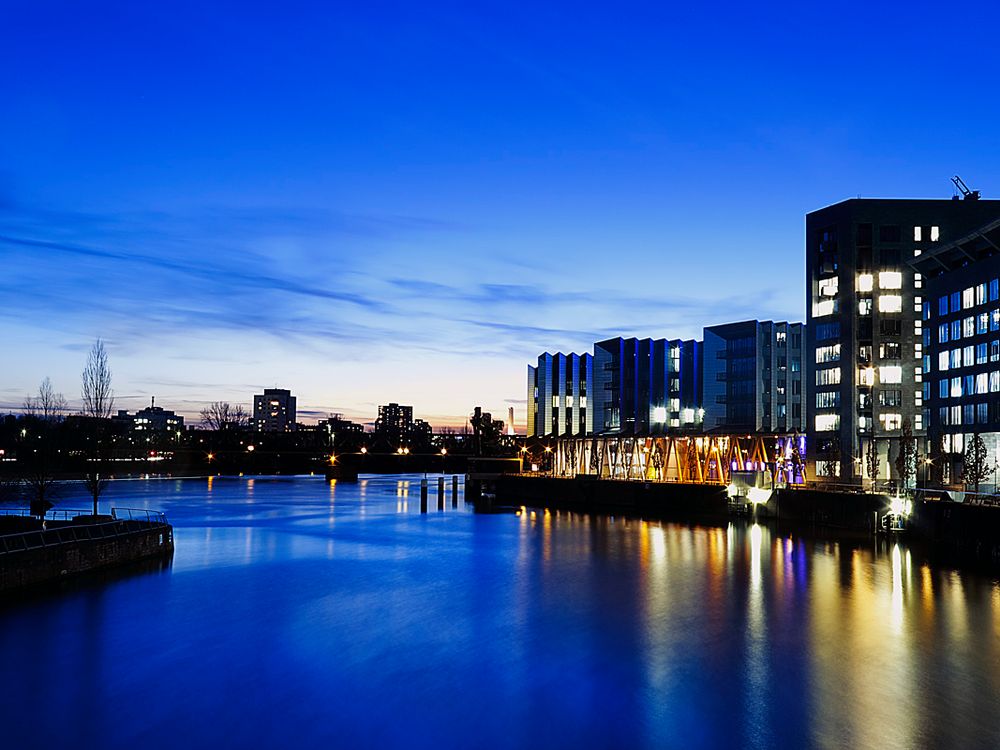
368	202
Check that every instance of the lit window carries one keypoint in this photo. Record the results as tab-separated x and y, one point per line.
827	422
935	234
917	234
829	287
659	414
826	307
890	374
829	376
956	387
891	421
866	376
687	416
890	303
968	298
890	280
827	354
918	422
583	402
569	401
865	306
866	282
555	402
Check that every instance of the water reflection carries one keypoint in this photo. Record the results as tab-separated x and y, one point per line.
334	607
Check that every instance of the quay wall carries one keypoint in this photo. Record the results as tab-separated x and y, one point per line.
51	561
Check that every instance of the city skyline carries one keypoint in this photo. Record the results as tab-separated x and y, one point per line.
371	222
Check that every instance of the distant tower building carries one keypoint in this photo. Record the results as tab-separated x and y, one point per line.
151	419
395	424
753	377
274	411
510	421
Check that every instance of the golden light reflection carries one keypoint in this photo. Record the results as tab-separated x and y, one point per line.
896	607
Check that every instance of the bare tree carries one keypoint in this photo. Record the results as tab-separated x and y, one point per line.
220	414
98	397
906	459
872	462
47	406
976	462
98	404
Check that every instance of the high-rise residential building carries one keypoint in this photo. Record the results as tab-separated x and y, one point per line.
646	386
559	389
864	331
753	377
274	410
961	388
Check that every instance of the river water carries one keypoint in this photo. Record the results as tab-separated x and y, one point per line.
298	613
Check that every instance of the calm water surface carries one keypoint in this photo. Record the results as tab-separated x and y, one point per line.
300	614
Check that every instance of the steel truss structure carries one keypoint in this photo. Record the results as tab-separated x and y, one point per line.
705	459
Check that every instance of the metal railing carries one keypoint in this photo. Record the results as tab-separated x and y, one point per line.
59	514
125	521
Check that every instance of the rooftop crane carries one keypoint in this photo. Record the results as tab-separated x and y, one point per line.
969	195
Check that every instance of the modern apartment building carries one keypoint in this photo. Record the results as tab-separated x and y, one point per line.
274	410
559	386
961	389
753	377
865	356
647	386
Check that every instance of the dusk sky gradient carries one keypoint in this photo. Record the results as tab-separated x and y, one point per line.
373	202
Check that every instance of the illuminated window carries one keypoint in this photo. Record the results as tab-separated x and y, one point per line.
968	356
687	416
827	422
918	281
917	234
866	376
827	354
890	303
969	326
826	307
828	400
829	376
935	234
891	421
890	374
583	402
555	402
569	401
865	282
956	387
660	414
980	294
968	298
829	287
890	280
865	306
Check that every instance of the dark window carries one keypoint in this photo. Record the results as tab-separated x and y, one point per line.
889	256
890	327
889	233
864	234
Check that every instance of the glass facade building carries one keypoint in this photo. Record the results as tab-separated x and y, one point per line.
865	352
753	377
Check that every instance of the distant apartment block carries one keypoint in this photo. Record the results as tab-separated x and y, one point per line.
274	411
151	419
753	377
865	338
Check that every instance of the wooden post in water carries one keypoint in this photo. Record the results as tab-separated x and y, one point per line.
440	493
454	490
423	495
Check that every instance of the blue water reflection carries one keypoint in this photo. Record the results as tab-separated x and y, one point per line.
297	613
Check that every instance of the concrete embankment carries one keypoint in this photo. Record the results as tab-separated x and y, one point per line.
676	501
37	557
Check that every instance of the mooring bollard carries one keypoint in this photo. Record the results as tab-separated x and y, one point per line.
454	490
423	495
440	493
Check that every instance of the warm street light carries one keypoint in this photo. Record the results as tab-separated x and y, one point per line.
211	456
250	448
406	450
364	449
400	450
444	451
333	459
